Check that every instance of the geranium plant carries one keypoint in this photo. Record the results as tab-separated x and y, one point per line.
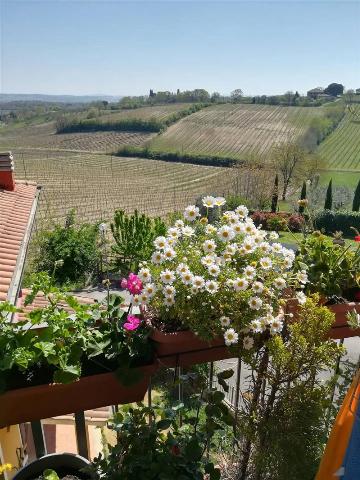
225	278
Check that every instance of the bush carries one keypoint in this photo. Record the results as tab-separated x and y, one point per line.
233	201
278	221
73	248
329	221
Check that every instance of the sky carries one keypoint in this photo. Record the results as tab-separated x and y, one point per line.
88	47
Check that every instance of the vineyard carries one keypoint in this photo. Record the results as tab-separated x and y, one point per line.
96	185
159	112
236	130
341	150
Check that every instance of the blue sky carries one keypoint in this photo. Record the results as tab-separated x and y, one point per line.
123	48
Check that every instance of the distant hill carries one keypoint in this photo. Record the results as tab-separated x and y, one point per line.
34	97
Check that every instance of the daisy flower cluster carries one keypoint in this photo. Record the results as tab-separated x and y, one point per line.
227	278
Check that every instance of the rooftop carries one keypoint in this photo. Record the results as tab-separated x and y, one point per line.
17	212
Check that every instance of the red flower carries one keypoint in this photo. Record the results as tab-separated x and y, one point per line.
357	238
175	450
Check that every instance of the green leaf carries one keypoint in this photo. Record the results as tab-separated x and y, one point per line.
218	397
163	424
226	374
224	385
193	450
68	374
50	475
215	473
47	348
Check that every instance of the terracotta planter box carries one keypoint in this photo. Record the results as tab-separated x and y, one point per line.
340	328
44	401
185	348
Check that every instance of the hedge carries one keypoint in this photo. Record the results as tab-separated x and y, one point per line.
330	221
280	221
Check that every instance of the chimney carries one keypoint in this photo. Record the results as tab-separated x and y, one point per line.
7	179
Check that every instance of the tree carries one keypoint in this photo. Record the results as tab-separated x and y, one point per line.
302	197
329	197
334	89
215	96
236	95
288	159
356	201
275	195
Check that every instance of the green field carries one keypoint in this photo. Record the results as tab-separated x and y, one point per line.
236	131
341	149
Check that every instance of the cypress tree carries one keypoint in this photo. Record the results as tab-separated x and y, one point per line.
302	197
275	195
329	197
356	201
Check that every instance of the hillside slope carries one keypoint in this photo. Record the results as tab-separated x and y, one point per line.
236	130
341	149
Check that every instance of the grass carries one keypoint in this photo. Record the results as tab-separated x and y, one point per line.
341	149
295	238
235	131
340	178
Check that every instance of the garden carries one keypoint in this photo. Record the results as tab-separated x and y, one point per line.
206	285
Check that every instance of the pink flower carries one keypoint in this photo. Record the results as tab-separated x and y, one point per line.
132	323
124	283
134	284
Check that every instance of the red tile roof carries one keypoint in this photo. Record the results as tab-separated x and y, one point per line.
40	302
17	209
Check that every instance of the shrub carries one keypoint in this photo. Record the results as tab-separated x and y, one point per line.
341	220
134	236
233	201
278	221
73	248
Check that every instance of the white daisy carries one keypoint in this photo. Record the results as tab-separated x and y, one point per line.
179	224
144	298
198	282
230	337
225	321
240	284
209	246
160	243
226	233
209	229
157	258
169	301
238	228
276	325
277	247
279	283
250	272
248	244
211	286
135	300
191	213
187	231
273	236
249	227
231	248
144	275
265	263
169	290
242	211
208	202
187	277
214	270
182	268
150	289
174	232
258	287
230	283
265	247
301	297
248	343
255	303
169	253
208	260
167	276
220	201
302	277
288	262
255	326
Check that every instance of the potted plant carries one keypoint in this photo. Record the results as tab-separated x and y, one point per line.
56	362
333	272
167	441
55	466
208	285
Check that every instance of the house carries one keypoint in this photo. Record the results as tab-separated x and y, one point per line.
18	204
315	92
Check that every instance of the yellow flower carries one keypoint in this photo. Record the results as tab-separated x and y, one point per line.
204	220
6	467
253	264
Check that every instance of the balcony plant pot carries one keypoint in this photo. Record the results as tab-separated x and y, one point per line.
340	328
63	464
93	391
184	348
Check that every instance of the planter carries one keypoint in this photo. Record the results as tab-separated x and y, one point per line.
44	401
340	328
184	348
62	463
